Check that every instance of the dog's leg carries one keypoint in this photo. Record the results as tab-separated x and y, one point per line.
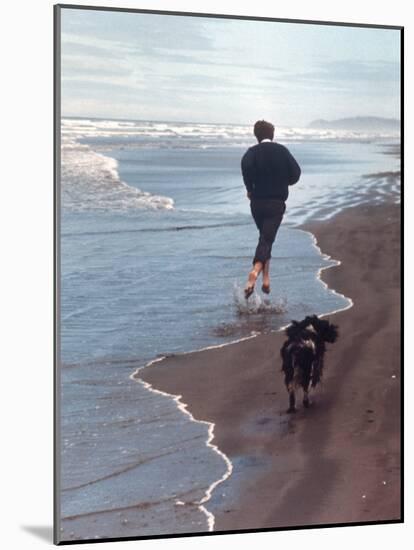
306	402
292	399
306	377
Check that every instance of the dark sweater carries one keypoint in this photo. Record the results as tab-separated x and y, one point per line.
268	169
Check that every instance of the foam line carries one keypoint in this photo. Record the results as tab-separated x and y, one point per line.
319	275
183	407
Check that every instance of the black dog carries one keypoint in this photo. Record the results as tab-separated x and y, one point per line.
303	355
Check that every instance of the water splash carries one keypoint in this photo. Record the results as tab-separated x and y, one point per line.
256	303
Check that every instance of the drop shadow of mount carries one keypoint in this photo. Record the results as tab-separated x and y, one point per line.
44	532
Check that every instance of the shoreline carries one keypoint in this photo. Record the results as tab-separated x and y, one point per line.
184	406
252	498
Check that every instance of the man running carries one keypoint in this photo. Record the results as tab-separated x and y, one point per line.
268	168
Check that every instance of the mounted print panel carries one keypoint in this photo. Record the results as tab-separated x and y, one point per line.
228	284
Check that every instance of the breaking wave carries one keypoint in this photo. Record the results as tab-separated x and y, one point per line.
90	181
188	135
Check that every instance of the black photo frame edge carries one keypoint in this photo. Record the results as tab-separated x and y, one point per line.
56	263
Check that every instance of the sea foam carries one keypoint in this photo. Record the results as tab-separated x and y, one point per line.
182	135
90	181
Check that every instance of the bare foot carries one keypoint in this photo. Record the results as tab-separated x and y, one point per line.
266	278
248	291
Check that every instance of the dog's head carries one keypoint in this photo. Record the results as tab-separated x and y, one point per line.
295	330
312	324
325	330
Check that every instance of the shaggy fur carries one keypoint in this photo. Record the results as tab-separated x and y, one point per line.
303	355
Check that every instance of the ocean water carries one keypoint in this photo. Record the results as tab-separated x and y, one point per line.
156	242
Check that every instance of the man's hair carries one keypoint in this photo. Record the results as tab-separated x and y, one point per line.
263	130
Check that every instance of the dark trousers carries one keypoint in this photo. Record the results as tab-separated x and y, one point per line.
267	214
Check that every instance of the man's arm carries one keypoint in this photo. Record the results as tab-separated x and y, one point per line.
247	171
294	168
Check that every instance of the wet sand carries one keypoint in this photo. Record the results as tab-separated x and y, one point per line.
339	461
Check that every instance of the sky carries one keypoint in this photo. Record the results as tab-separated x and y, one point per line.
196	69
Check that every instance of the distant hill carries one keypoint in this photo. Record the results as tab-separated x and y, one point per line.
358	124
